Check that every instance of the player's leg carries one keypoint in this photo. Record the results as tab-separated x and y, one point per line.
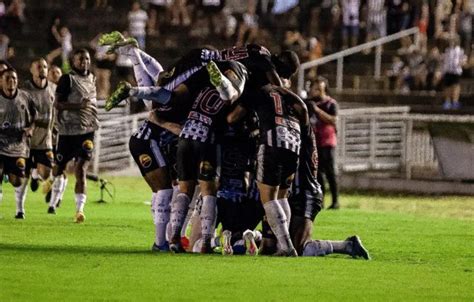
64	153
83	156
352	246
269	175
15	167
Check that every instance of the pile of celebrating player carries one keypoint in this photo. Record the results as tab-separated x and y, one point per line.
226	142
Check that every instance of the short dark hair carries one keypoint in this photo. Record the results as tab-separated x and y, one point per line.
9	69
286	63
80	51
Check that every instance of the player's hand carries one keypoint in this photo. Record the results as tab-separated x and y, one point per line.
208	55
29	131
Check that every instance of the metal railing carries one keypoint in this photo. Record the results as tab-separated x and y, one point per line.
339	56
390	138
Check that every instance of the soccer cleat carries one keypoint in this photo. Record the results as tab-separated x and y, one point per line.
47	197
226	243
116	40
120	93
34	184
165	247
20	215
185	242
80	217
206	247
176	247
358	250
51	210
289	253
250	245
215	75
334	206
111	38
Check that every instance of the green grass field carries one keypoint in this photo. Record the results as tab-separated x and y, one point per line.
422	249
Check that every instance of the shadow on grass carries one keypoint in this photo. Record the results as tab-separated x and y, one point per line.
71	249
103	250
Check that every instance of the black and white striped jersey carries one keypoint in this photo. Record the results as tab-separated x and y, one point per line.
279	125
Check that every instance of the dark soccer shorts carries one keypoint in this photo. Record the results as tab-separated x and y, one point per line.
13	165
150	155
196	160
275	166
306	204
74	146
450	79
44	157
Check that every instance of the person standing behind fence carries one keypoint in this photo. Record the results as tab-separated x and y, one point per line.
77	121
323	112
453	60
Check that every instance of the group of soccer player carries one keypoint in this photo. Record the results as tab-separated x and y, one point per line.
44	125
226	142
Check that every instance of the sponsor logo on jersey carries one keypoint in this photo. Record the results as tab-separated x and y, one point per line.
145	160
21	163
59	157
50	155
206	168
88	145
200	117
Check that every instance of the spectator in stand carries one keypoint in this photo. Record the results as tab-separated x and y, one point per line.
465	26
179	13
4	46
248	30
376	26
211	10
423	22
350	22
328	20
65	38
54	38
158	12
137	19
433	68
104	63
398	15
323	113
453	61
15	16
394	74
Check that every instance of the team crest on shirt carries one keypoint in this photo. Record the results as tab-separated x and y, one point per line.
145	160
6	125
59	157
88	145
206	168
21	163
50	155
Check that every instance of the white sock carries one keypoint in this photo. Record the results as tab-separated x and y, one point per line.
208	216
153	207
162	214
35	174
20	197
56	194
179	209
318	248
286	208
80	201
278	223
63	188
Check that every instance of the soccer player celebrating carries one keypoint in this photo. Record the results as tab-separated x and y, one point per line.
41	153
196	155
77	121
17	117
